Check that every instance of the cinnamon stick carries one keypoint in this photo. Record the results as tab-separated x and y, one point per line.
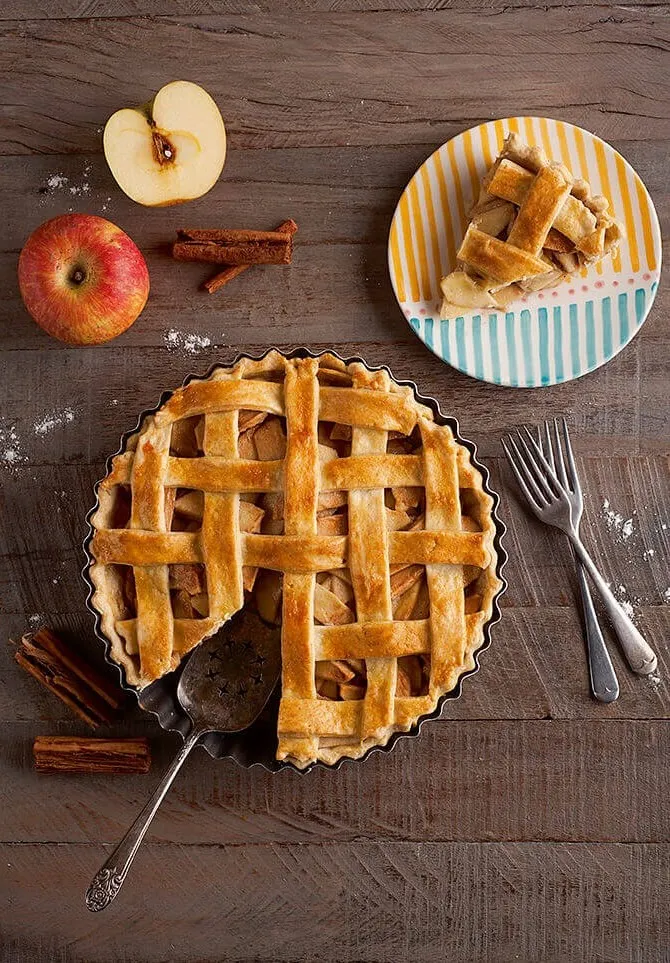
223	277
233	247
89	694
78	754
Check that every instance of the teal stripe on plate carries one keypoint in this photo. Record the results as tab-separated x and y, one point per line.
495	348
526	342
444	338
640	300
416	324
477	343
574	341
623	318
607	327
543	324
511	349
429	332
558	345
460	343
590	336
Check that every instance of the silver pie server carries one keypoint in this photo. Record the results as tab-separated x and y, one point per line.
224	687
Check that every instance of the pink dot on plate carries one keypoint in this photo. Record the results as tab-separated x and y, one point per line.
646	277
631	280
600	284
554	294
615	284
408	313
541	296
422	310
571	291
524	299
585	287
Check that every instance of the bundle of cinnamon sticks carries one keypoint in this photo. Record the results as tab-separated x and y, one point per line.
91	696
238	249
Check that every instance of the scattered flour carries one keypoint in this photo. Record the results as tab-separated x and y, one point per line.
34	620
114	402
666	595
191	343
622	527
11	452
53	420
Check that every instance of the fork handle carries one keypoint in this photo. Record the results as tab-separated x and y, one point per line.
604	683
109	879
639	654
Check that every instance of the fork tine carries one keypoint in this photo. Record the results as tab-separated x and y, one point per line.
531	463
541	466
560	457
547	447
572	468
527	483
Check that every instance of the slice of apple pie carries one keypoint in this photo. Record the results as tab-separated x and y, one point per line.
532	226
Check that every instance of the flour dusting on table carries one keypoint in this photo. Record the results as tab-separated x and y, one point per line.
11	452
53	420
185	341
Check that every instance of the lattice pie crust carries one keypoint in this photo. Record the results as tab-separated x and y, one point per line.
325	495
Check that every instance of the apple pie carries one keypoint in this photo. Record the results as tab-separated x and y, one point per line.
326	496
533	226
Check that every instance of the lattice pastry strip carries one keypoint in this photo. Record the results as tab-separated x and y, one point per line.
350	525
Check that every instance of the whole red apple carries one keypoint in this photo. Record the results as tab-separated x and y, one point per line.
82	278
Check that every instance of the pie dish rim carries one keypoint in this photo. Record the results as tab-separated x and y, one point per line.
159	698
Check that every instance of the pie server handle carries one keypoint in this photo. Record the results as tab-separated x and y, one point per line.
109	879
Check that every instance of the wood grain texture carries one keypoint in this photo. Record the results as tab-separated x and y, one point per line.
523	780
317	80
529	823
363	901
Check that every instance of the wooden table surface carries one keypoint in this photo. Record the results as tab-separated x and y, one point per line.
532	822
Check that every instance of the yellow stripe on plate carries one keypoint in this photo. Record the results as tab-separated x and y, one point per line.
500	132
458	191
432	225
408	245
583	172
419	239
514	124
601	160
395	260
563	144
645	214
470	161
487	151
530	131
445	211
628	215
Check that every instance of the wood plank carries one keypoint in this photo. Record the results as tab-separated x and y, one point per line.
40	541
535	668
365	901
92	9
522	780
337	288
335	87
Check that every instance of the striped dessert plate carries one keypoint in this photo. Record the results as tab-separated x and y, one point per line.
549	336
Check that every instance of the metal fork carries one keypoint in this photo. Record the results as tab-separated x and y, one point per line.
554	494
604	683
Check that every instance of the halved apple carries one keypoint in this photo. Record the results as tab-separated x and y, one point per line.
170	150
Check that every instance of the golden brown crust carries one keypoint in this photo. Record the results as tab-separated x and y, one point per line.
373	554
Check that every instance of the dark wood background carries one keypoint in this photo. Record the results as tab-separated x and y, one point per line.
532	823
